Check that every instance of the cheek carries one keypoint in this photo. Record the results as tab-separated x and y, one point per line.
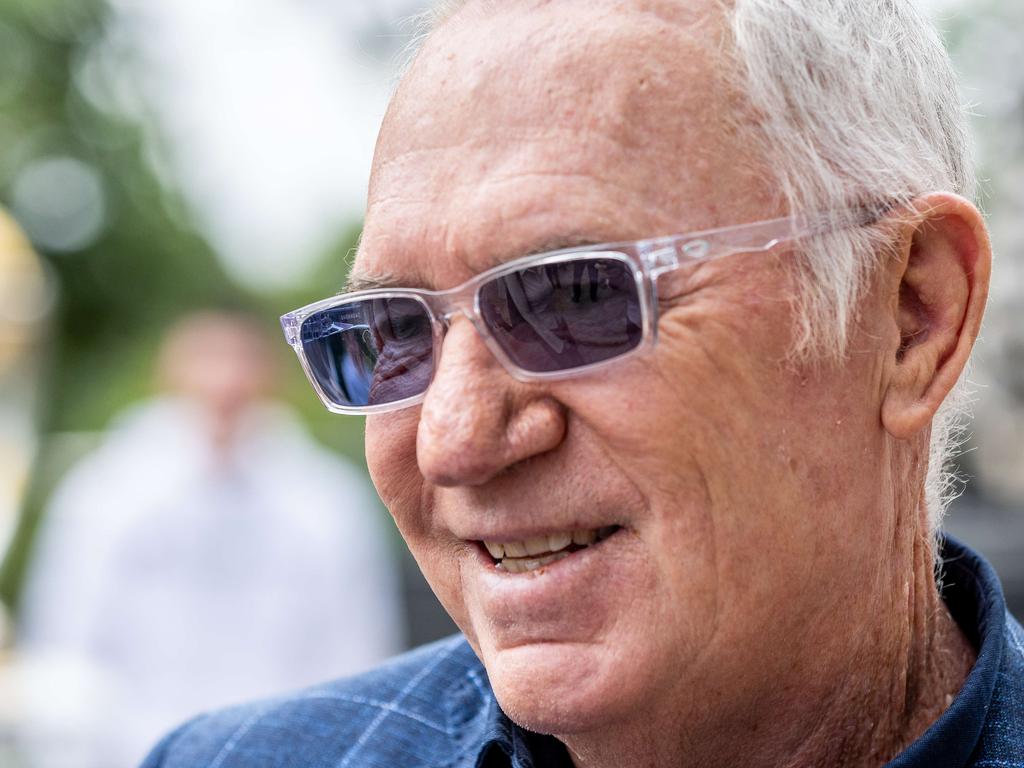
391	459
728	443
784	454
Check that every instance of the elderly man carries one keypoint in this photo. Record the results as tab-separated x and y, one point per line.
666	307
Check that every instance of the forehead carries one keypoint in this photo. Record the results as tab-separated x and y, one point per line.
523	125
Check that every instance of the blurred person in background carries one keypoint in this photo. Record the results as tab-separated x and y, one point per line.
207	552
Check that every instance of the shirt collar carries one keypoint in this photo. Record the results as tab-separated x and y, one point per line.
974	597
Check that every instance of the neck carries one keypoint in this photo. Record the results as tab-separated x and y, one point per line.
898	688
897	674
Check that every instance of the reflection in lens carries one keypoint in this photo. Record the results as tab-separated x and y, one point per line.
564	315
370	352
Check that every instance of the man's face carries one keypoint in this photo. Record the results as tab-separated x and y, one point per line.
722	465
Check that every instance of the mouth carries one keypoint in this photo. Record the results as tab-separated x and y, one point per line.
534	553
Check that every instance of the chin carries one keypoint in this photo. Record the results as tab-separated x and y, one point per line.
564	688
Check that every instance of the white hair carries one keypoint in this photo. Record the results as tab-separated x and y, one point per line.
858	102
855	102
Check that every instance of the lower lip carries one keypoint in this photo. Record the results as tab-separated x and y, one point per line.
537	598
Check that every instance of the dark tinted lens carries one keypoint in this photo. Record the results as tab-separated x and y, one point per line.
564	315
370	352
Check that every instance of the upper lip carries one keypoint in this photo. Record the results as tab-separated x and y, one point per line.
502	535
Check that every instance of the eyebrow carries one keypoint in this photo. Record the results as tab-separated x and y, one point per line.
370	281
359	282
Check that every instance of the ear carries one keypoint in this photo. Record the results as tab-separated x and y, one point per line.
943	274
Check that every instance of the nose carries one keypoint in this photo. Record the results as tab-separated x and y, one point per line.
476	420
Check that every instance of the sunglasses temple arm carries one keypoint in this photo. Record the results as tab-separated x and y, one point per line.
667	255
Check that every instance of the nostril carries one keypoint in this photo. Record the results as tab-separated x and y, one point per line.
452	468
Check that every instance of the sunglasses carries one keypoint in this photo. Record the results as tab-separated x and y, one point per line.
553	315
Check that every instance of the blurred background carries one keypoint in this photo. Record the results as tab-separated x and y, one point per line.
175	174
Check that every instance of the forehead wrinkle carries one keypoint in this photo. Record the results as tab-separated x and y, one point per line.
593	202
583	145
543	244
484	222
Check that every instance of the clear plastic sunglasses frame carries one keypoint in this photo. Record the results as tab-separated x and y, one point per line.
647	260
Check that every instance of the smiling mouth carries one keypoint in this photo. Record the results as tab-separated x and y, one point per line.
531	554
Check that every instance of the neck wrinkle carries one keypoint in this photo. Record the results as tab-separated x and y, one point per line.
922	665
902	685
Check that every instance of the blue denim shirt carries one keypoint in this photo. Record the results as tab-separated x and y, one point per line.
433	707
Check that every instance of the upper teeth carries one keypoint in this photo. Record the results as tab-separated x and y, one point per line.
537	545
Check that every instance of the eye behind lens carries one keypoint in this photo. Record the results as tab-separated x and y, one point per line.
370	352
564	315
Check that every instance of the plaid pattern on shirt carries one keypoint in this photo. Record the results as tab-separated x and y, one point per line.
433	708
